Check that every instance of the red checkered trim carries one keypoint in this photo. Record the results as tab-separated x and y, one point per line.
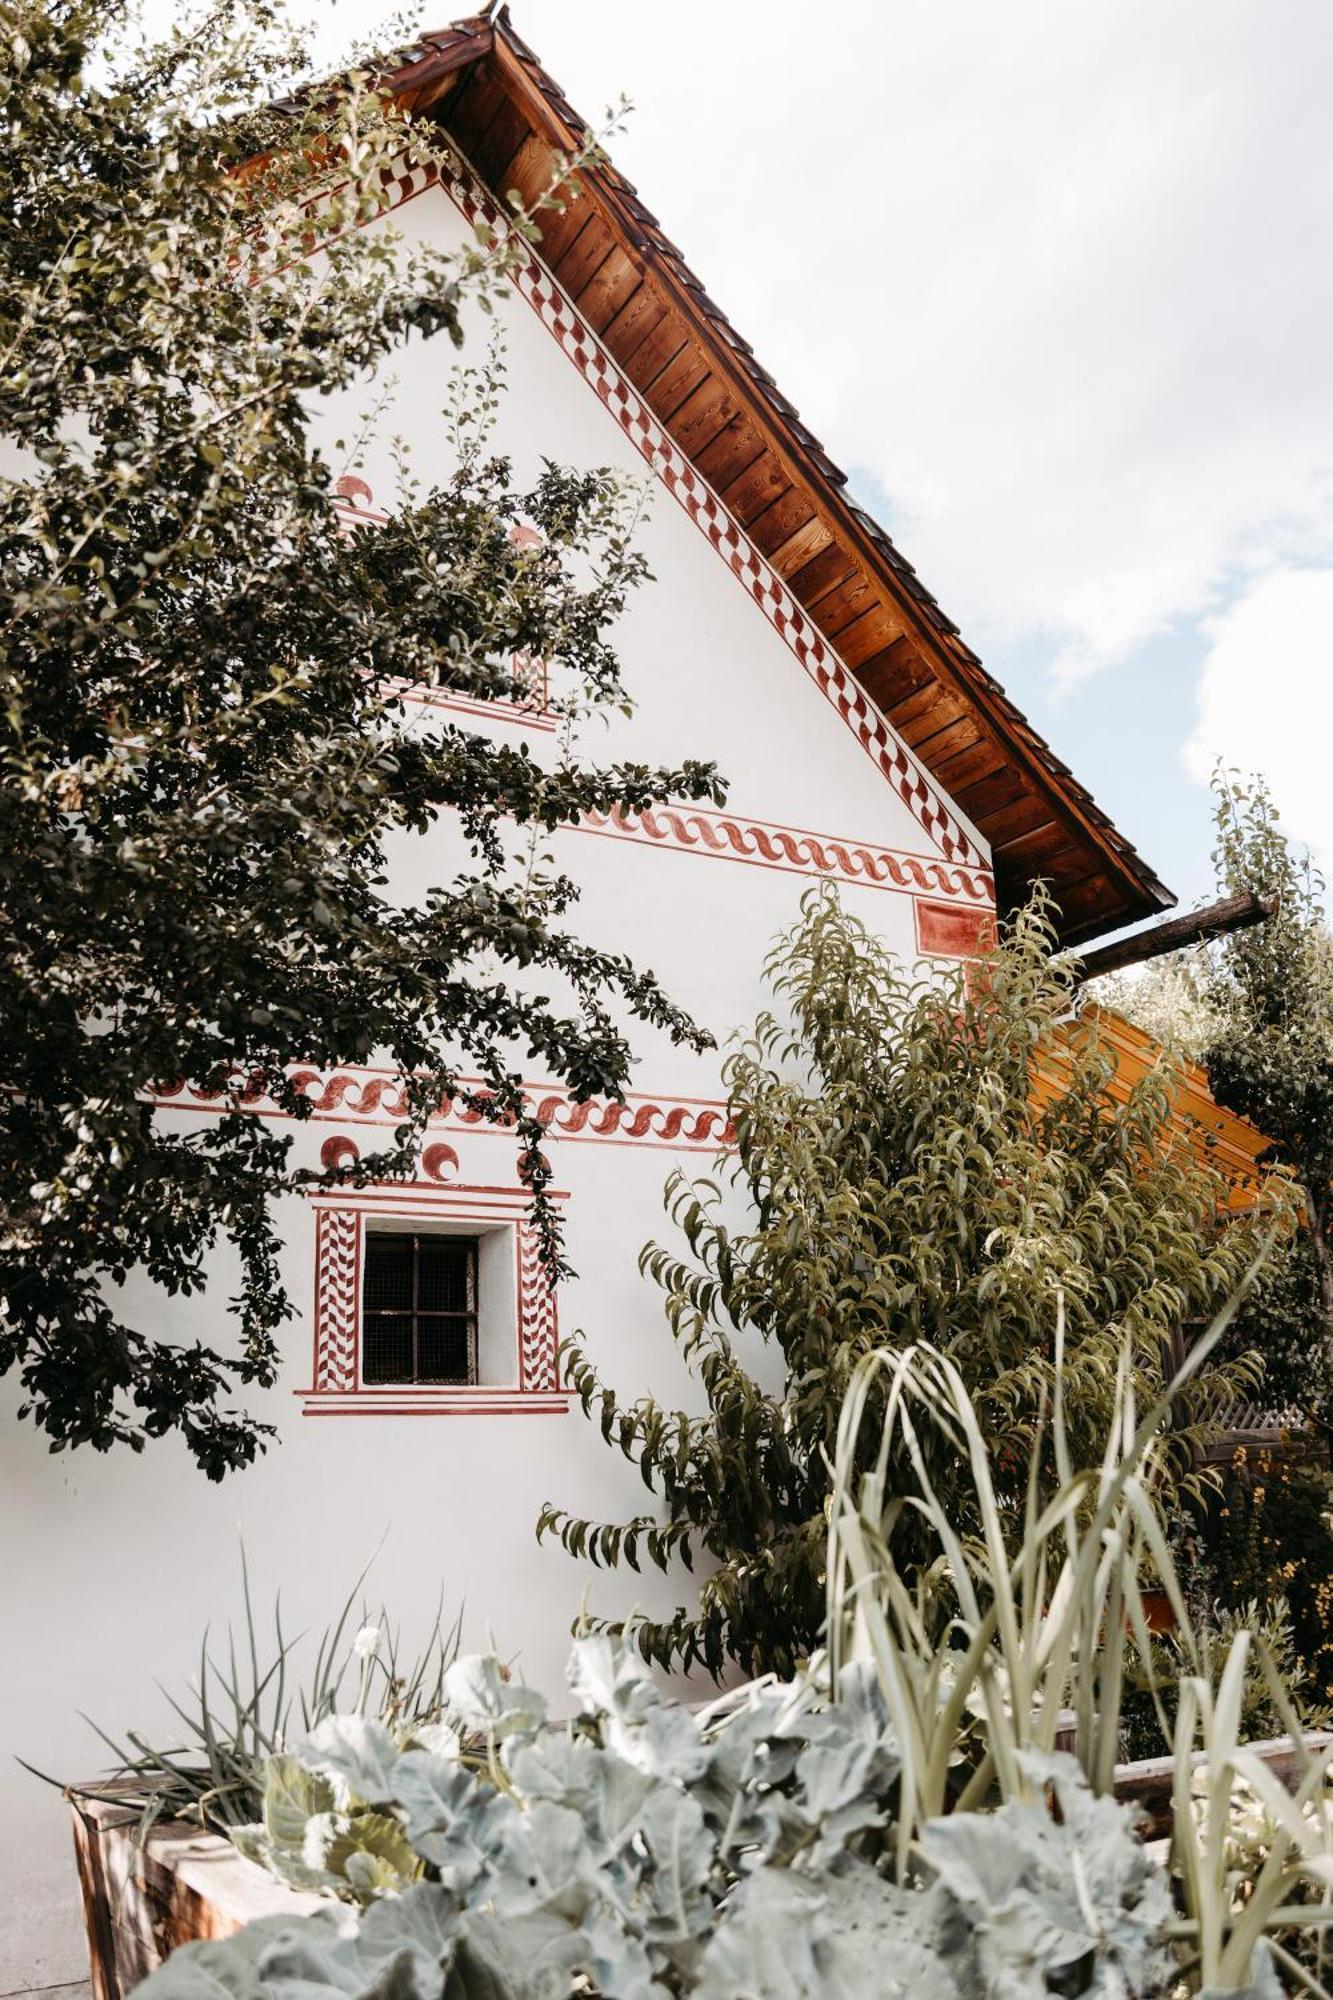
558	313
560	316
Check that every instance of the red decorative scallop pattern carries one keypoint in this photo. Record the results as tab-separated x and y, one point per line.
376	1097
439	1162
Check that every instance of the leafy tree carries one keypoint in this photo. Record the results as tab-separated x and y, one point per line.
902	1183
1270	1058
1268	1538
1256	1009
203	754
1169	999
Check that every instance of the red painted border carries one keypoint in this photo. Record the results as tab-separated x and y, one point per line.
338	1258
364	1096
764	844
952	930
447	1403
507	712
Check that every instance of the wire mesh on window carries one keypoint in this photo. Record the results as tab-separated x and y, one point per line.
386	1348
388	1277
445	1350
445	1275
419	1308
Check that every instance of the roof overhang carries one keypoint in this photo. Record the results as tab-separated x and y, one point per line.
512	124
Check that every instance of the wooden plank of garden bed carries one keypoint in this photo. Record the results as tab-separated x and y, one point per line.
143	1898
1148	1783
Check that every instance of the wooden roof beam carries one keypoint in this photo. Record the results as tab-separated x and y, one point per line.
1232	913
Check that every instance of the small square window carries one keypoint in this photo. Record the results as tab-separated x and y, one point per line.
419	1308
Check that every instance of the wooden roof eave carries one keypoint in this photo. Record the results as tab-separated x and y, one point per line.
419	86
419	74
1216	1137
1132	891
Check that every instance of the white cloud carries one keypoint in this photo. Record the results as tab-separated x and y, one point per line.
1052	274
1266	699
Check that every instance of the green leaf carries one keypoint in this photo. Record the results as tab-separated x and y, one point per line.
354	1752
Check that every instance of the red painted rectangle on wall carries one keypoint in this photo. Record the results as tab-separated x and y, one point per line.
953	930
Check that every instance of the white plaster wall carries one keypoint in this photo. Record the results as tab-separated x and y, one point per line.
114	1565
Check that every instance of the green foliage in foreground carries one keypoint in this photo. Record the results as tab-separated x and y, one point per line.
1043	1635
648	1851
203	764
893	1822
904	1186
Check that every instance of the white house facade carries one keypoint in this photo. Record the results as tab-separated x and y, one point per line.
421	1418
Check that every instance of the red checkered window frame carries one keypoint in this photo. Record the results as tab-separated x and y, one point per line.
339	1384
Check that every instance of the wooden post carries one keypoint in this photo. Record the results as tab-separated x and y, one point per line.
96	1904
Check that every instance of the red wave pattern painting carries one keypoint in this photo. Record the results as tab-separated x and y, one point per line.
370	1097
761	842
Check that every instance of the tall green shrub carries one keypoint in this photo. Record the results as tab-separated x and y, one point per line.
1256	1008
901	1185
203	760
1270	1057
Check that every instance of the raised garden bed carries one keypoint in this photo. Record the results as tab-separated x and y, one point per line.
143	1898
1148	1783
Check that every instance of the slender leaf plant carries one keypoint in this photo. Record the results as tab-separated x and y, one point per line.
251	1703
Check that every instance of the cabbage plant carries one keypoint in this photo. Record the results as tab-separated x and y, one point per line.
643	1849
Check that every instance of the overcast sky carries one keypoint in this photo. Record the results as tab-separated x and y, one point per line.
1052	279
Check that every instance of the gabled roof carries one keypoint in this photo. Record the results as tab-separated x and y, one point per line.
728	417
